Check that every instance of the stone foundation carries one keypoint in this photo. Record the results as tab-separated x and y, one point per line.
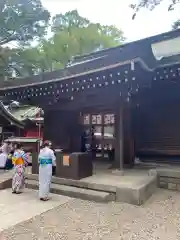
167	178
125	188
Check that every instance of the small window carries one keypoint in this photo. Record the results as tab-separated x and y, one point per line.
98	132
109	132
96	119
109	119
86	119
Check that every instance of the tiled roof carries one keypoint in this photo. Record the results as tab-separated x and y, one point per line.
139	50
7	115
18	114
25	112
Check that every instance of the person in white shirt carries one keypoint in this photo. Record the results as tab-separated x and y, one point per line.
47	159
4	149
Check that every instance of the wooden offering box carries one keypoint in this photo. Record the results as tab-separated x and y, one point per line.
73	166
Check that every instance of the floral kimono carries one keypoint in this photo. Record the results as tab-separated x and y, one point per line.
20	161
46	161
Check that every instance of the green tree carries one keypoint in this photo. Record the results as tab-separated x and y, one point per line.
27	61
5	54
68	20
151	4
89	36
21	21
72	35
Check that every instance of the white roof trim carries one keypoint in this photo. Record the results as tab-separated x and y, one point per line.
166	48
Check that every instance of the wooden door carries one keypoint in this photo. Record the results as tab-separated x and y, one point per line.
103	126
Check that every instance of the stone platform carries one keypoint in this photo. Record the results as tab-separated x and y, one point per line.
134	187
167	178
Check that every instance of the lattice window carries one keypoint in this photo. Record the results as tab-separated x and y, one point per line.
109	119
96	119
86	119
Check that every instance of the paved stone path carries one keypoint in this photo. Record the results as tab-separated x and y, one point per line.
18	208
158	219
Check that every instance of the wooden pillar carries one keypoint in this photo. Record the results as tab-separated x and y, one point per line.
35	165
128	136
124	153
119	139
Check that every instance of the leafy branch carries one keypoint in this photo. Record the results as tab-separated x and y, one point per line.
151	4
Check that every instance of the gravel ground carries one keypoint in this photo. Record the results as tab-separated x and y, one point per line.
159	218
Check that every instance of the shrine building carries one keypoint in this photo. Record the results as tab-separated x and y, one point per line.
130	94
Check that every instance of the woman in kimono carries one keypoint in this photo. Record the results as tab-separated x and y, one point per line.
20	161
47	160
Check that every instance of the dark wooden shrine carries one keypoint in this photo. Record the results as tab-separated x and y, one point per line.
128	94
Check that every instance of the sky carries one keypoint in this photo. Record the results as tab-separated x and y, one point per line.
117	12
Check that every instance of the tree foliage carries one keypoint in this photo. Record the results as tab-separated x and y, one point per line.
72	35
87	34
21	21
151	4
68	21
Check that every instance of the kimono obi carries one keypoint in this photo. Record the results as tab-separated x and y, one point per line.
45	161
18	161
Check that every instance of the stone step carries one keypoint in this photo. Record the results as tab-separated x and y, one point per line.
83	183
75	192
